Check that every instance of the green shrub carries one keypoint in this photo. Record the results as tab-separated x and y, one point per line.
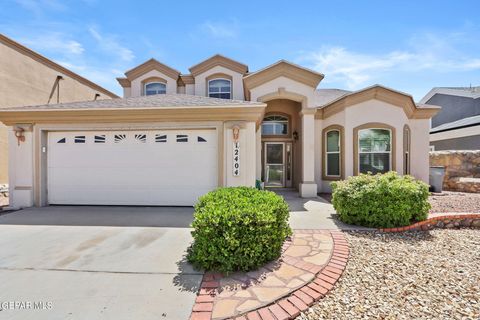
238	229
381	201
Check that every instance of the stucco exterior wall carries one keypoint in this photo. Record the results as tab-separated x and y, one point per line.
289	86
26	81
380	112
137	84
237	82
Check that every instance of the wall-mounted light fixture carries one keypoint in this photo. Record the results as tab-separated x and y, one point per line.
295	135
19	134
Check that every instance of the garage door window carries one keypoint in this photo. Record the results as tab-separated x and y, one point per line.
79	139
120	138
141	138
160	138
99	139
182	138
63	140
200	139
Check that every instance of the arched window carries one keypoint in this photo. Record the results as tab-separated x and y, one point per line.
152	88
332	150
374	148
275	125
220	88
406	149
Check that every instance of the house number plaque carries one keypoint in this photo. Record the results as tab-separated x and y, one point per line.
236	152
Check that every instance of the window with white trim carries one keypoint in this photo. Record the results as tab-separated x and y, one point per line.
332	153
152	88
374	150
275	125
220	88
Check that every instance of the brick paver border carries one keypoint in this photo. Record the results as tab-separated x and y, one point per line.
441	221
290	306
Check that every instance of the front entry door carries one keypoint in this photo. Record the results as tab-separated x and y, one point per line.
277	166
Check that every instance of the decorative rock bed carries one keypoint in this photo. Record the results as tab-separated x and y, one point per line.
443	221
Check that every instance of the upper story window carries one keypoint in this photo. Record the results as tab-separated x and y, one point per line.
220	88
375	150
275	125
155	88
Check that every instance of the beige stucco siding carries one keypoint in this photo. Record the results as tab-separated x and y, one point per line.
26	81
378	112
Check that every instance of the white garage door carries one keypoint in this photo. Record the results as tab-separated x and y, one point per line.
150	167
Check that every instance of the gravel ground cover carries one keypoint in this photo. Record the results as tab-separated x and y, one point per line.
449	201
411	275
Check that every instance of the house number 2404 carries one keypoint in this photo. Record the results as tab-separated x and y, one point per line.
236	159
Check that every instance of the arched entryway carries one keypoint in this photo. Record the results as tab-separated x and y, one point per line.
281	152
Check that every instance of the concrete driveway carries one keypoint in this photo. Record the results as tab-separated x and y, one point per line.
97	263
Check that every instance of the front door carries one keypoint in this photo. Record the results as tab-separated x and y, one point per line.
277	164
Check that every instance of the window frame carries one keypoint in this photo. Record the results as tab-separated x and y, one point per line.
407	155
356	144
287	121
153	82
341	159
220	78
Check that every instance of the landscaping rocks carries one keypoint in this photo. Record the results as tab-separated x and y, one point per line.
407	275
449	201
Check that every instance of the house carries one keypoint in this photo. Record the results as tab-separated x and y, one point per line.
28	78
457	126
175	136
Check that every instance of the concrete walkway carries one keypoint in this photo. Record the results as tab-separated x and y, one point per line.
312	213
90	264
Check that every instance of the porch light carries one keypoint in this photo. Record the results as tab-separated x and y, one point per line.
295	135
19	134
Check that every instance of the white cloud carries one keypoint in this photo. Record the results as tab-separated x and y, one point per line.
220	30
356	69
38	7
110	45
54	42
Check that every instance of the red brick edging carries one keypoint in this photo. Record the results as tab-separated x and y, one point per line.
290	306
441	221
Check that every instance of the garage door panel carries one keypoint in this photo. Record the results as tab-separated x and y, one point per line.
149	171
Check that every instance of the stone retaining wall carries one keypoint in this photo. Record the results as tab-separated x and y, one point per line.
3	190
462	169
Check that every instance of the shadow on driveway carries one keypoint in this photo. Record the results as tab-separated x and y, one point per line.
111	216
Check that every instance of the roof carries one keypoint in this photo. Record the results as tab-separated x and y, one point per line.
283	68
218	60
462	123
395	97
142	102
467	92
325	96
55	66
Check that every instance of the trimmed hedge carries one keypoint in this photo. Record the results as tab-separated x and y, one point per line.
381	201
238	229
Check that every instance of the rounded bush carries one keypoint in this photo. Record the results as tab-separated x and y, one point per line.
238	229
381	201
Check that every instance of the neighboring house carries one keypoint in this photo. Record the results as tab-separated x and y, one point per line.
28	78
457	126
176	136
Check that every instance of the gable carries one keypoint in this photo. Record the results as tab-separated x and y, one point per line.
150	65
377	92
218	60
283	69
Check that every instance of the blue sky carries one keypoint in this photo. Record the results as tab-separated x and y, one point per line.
411	46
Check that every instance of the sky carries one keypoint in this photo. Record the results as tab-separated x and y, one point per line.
410	46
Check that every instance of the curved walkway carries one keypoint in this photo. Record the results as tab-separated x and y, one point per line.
310	265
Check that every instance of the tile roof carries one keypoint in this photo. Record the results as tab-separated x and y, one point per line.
143	102
325	96
465	122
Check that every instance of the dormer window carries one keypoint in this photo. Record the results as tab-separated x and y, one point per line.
220	88
152	88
